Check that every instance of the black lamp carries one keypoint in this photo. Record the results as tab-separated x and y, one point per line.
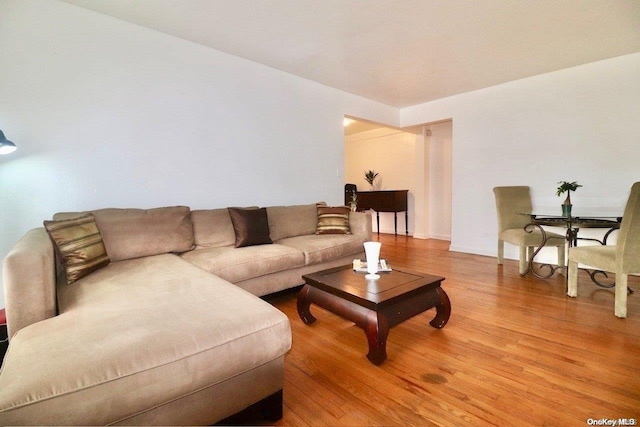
6	146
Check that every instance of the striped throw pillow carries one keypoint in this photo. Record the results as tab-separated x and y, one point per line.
79	245
333	220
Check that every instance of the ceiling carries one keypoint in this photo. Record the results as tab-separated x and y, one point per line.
398	52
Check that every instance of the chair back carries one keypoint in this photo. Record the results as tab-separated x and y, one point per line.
628	245
349	189
511	203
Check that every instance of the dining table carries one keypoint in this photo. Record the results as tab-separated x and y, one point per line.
572	225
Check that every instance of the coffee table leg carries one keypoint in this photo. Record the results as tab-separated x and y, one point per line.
443	310
376	328
304	304
375	325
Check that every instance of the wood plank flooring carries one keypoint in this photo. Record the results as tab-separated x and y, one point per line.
516	351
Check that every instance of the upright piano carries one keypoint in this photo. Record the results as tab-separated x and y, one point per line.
385	201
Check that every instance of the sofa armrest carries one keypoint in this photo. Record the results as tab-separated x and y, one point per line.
360	224
29	281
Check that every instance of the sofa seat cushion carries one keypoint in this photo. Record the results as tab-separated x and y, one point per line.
238	264
134	335
325	247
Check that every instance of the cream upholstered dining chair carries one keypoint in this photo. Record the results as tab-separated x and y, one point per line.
623	258
514	206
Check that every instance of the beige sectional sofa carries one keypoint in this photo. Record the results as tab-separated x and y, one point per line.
171	331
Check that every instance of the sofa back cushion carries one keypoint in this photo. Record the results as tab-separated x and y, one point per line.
291	221
212	228
135	233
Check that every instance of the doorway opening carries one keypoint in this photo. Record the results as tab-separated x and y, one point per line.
418	159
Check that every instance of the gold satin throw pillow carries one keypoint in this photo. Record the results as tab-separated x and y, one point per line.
79	245
333	220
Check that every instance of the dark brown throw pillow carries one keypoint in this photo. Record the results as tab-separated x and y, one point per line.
79	245
333	220
251	226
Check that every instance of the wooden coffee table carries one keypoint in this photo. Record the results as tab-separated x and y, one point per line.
374	305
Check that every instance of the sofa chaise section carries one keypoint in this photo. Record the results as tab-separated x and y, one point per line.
238	264
119	353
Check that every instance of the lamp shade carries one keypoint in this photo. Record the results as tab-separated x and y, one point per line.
6	146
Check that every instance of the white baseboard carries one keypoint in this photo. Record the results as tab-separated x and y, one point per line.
427	236
441	237
475	251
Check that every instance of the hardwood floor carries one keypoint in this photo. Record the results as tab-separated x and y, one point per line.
516	351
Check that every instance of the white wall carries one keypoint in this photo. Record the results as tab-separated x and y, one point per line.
580	124
390	153
106	113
